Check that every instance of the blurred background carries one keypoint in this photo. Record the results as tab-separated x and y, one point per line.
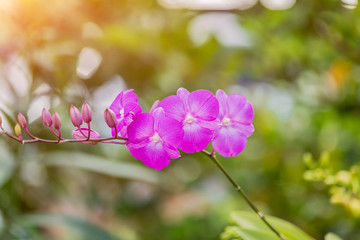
296	61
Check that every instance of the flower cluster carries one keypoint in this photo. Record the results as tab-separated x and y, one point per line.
187	121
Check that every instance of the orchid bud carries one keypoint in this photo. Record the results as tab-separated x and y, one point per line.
110	118
21	120
86	112
46	116
56	121
75	116
0	121
17	130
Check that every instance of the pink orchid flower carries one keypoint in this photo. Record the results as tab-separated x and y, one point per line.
154	138
125	107
235	124
85	131
197	111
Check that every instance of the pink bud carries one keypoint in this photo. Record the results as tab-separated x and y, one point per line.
75	116
0	121
110	118
56	121
46	116
86	112
21	120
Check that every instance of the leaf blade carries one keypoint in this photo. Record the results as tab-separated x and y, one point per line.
101	165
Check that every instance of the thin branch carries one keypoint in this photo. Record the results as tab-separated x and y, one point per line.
54	133
61	140
89	133
29	134
116	131
242	193
82	133
59	133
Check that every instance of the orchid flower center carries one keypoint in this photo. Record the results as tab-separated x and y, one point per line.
226	121
122	113
155	138
189	118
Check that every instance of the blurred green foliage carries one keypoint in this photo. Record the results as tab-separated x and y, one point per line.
299	67
343	184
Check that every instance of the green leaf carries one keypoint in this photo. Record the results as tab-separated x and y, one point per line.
332	236
101	165
235	233
2	223
250	227
7	165
86	229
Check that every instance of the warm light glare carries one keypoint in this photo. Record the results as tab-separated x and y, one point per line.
350	4
208	4
88	63
222	26
6	5
278	4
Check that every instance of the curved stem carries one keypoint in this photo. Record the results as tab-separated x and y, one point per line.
82	133
116	131
29	133
54	133
89	133
59	133
242	193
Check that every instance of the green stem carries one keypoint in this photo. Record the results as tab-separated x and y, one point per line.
243	194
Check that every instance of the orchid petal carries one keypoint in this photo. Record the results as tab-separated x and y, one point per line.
221	97
133	107
203	104
117	105
129	96
173	107
173	152
229	141
154	106
170	131
196	138
152	155
141	128
240	109
137	149
158	114
212	125
79	136
246	129
183	94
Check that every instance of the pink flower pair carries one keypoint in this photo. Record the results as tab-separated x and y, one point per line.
188	121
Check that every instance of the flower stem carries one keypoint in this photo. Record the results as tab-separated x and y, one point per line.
89	133
29	133
242	193
113	140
